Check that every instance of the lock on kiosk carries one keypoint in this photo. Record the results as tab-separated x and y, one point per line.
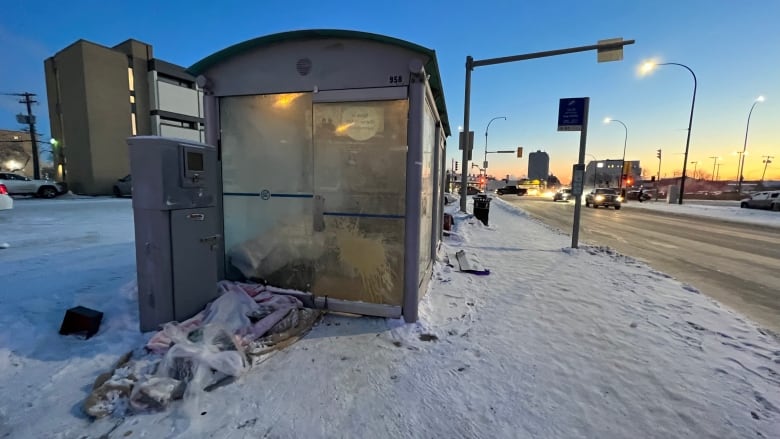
177	228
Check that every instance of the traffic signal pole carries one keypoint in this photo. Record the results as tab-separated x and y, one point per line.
611	49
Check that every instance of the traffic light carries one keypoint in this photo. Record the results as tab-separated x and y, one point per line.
658	154
456	166
520	151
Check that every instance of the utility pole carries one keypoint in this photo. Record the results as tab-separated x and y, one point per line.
658	178
767	161
29	120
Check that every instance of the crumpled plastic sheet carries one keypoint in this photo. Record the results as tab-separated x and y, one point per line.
233	310
210	347
185	359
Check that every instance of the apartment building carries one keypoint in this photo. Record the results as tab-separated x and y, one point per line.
98	96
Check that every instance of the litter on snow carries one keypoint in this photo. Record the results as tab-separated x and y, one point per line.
242	327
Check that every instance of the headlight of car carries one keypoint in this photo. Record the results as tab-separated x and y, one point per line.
620	199
599	197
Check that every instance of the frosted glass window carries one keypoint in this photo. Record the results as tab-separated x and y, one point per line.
267	186
360	160
426	193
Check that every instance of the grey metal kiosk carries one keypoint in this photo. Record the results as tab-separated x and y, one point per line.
331	148
177	223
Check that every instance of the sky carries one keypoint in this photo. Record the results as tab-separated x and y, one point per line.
554	343
731	47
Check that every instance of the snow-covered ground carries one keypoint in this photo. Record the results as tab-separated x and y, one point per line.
727	210
554	343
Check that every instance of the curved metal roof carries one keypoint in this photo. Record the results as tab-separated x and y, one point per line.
431	68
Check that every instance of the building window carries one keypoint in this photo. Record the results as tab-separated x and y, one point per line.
177	123
133	126
130	79
175	81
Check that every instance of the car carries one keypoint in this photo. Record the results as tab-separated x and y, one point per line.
21	185
762	200
634	195
6	202
511	190
603	197
124	186
563	194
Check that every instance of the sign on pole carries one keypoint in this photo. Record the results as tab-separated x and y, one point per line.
607	55
571	113
573	116
462	139
577	179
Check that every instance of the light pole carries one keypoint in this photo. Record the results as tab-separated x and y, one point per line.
647	68
739	155
717	173
695	166
741	177
608	50
625	142
484	163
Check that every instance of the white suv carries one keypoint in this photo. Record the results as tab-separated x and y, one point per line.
762	200
21	185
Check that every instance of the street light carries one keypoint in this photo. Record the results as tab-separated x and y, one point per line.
625	142
484	163
741	177
695	166
646	68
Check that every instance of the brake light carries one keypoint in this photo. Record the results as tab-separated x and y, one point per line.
3	190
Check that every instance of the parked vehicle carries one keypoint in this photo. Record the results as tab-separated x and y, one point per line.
124	186
762	200
634	195
21	185
6	202
603	197
563	194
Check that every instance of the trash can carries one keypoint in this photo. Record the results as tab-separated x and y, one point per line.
482	208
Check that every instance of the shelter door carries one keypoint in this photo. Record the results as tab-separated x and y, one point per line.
359	167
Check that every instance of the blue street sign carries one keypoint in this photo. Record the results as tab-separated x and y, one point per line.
571	112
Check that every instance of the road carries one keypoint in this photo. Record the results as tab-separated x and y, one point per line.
736	264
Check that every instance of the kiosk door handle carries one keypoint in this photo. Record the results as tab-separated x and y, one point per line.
212	241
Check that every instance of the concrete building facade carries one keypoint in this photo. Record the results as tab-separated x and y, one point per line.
538	166
98	96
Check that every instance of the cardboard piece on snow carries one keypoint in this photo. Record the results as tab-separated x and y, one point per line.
468	263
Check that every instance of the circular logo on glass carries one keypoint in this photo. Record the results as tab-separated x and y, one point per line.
265	194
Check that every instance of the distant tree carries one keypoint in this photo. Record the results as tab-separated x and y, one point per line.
553	181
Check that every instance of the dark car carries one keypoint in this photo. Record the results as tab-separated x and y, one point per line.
634	195
603	197
511	190
563	194
506	190
124	186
